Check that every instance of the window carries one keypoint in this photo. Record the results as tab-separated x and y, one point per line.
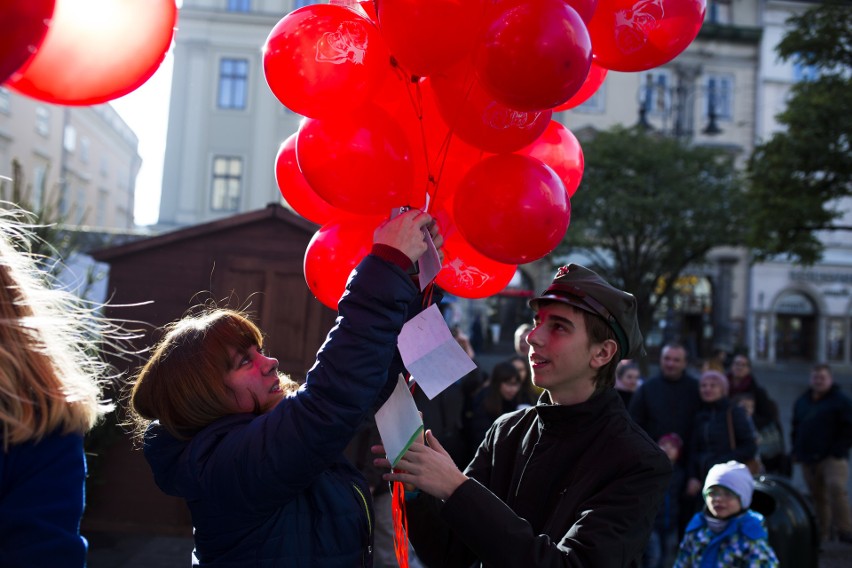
239	5
762	328
227	182
233	80
5	100
42	122
836	343
655	94
39	182
719	12
85	147
719	96
69	139
100	212
301	3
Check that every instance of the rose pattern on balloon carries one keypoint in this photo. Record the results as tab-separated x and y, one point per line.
501	117
347	43
633	25
468	276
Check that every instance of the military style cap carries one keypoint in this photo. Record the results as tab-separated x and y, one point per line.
582	288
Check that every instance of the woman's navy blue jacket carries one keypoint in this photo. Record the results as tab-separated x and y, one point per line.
275	489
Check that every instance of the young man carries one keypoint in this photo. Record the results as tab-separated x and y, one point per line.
571	481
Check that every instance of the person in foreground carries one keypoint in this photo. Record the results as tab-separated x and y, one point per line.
727	533
50	396
258	459
572	481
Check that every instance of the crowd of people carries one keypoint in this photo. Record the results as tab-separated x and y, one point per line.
562	454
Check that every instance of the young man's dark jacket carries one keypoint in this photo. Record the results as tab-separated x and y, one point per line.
275	490
550	485
822	428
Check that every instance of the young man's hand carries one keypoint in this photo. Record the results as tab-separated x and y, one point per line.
404	233
428	468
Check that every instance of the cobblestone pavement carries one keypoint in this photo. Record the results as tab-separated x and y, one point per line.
784	384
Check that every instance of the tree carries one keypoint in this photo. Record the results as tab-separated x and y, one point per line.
649	207
798	177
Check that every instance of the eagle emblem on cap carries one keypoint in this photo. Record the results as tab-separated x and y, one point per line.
563	271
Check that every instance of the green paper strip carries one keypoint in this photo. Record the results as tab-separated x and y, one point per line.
414	436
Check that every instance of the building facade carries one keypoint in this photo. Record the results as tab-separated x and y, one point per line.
82	160
225	125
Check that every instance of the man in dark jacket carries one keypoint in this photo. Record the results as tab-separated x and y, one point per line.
667	403
571	481
822	436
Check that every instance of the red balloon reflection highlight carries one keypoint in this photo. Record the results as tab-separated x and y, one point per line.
635	35
361	164
324	59
296	190
98	50
560	150
333	252
512	208
534	55
24	26
427	37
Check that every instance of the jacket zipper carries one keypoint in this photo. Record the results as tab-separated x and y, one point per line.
366	510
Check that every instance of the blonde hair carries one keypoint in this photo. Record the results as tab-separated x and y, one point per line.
182	385
50	378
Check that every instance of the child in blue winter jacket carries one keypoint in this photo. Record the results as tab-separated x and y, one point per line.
727	533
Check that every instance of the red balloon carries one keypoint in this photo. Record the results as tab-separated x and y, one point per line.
534	55
296	190
324	59
98	51
593	82
635	35
512	208
333	252
466	272
24	26
559	149
477	118
361	164
429	36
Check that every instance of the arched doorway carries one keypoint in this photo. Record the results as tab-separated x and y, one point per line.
795	328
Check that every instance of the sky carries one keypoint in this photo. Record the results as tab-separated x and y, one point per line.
146	112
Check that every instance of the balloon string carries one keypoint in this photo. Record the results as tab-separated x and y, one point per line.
400	524
428	294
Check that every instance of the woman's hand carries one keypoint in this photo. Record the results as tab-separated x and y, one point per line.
428	468
405	233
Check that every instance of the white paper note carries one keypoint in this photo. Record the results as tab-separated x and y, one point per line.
399	422
430	352
429	263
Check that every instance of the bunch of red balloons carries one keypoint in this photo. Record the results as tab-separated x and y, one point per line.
83	52
448	105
